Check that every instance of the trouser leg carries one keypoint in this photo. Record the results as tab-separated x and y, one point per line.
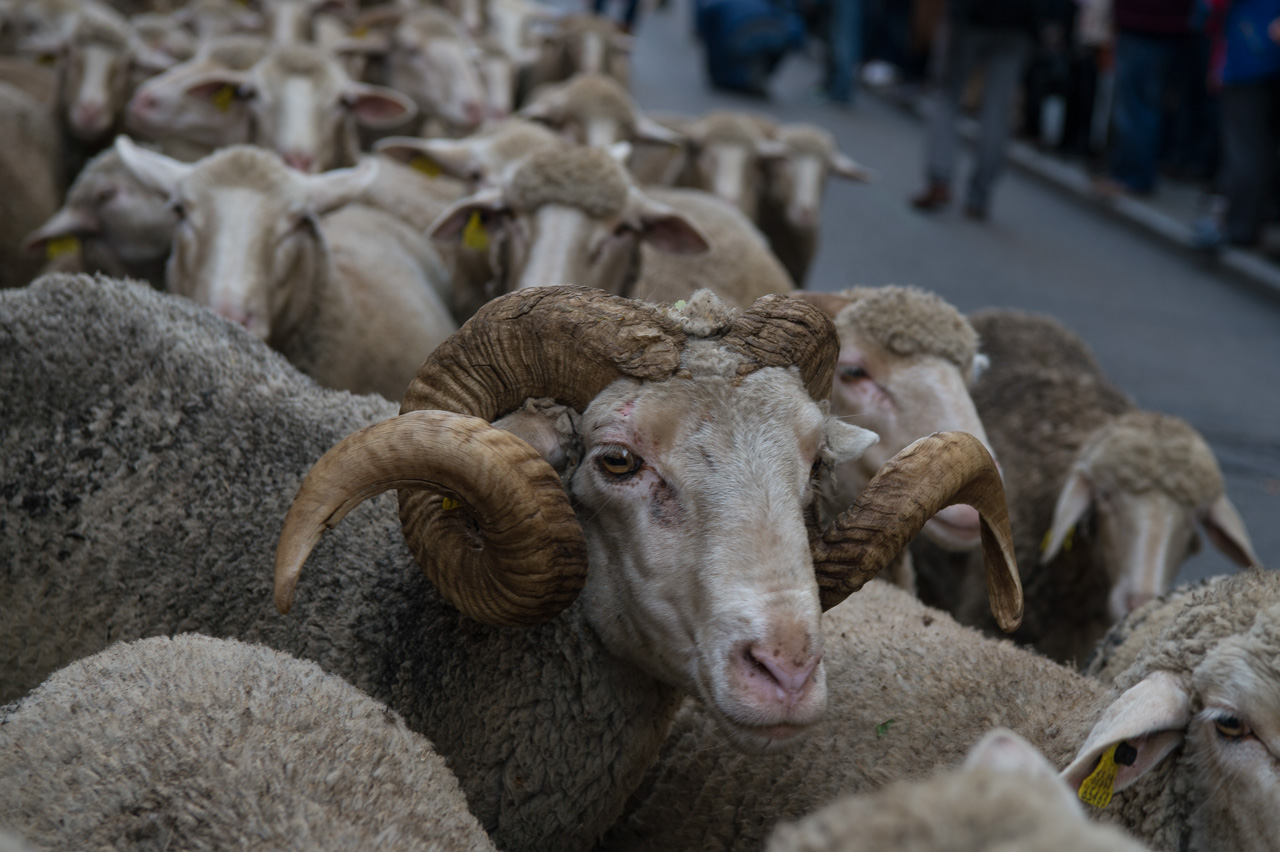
953	71
1004	58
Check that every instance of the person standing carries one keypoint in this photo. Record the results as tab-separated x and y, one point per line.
1150	36
996	36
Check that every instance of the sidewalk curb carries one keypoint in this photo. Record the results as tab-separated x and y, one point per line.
1073	180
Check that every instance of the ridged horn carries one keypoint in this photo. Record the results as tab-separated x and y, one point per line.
934	472
777	331
493	498
566	343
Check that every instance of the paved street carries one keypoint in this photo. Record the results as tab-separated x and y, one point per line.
1177	335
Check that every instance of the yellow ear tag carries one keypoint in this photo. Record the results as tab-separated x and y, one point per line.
1066	541
1098	787
59	246
449	504
360	31
427	166
223	97
474	236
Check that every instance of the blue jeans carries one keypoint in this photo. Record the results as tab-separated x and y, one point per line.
844	43
1144	64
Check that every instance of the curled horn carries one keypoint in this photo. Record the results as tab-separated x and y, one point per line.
934	472
777	331
473	531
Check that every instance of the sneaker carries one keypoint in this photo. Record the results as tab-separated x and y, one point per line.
1206	234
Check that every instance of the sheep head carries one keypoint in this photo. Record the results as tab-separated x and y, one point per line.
248	231
569	216
906	361
700	444
797	163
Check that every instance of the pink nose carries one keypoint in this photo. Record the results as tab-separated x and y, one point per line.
299	160
474	111
89	117
778	674
143	103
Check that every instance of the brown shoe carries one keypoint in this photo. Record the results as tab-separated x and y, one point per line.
934	197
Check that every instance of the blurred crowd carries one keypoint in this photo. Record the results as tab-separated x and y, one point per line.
1142	90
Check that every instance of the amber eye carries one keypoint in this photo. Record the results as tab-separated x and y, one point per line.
853	373
619	462
1231	727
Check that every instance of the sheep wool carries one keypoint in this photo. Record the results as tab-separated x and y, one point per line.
1143	450
909	321
205	744
586	178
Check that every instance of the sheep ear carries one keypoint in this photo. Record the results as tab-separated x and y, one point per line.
1149	718
214	86
378	106
1073	501
330	190
846	442
648	130
665	228
161	173
67	222
1001	750
548	427
453	222
842	166
452	157
1225	528
980	364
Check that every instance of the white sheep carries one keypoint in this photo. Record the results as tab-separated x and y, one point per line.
152	451
206	744
574	216
911	690
596	110
907	360
118	225
29	169
351	295
1006	797
1105	500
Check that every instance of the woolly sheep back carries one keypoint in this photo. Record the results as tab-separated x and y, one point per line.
206	744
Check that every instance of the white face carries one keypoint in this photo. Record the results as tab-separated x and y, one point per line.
441	77
1144	539
96	84
692	493
902	400
557	244
1235	743
729	171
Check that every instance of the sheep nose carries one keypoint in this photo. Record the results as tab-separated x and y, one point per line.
89	117
960	516
299	160
1133	600
142	103
474	111
790	673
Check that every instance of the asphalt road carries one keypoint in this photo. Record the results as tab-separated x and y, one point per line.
1177	336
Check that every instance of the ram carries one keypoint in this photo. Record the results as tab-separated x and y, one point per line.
152	451
198	743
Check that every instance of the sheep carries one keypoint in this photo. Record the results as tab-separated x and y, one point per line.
1078	455
144	435
796	168
198	743
29	166
1006	797
595	110
432	59
574	216
911	690
723	157
191	127
119	225
907	359
582	44
1129	636
304	106
353	299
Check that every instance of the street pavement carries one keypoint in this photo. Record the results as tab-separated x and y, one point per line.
1179	333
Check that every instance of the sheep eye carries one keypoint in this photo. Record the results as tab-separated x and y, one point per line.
620	463
1231	727
179	209
853	373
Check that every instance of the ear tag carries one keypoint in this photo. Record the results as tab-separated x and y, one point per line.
475	236
428	167
223	97
59	246
1098	788
449	504
360	31
1066	541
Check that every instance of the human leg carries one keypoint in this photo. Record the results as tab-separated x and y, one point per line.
1249	154
1004	54
1142	64
941	137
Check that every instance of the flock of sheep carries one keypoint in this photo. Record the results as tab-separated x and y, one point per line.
683	556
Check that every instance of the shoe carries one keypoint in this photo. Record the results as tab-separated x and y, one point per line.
1206	235
934	197
976	212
